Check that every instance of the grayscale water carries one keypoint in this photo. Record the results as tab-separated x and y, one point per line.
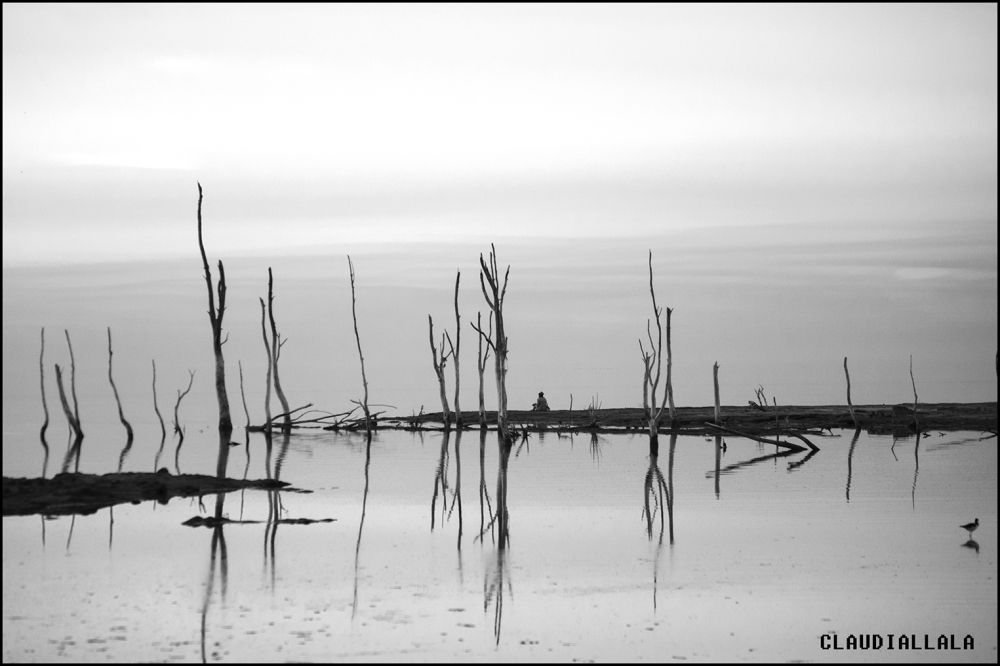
769	553
767	557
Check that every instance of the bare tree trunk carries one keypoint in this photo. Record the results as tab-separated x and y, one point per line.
715	377
156	407
670	366
439	371
276	344
364	379
656	354
121	414
481	365
916	421
177	407
243	396
494	298
45	406
850	407
74	423
270	367
458	341
72	384
215	318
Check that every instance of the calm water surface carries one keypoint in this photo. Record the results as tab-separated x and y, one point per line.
769	552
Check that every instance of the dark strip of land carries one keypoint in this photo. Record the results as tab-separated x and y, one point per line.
68	493
899	420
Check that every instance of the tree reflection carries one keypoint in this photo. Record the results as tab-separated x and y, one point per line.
441	482
361	525
217	553
850	458
498	572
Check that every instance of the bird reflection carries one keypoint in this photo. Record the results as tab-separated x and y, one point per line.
971	544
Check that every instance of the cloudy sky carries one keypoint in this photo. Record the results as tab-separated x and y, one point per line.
367	123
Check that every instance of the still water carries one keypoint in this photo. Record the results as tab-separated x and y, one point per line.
769	553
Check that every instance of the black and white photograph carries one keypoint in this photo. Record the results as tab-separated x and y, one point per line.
500	332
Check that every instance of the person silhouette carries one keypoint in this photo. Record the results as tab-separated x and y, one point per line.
541	405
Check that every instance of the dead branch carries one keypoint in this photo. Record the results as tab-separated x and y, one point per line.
784	445
494	298
121	414
215	318
156	406
916	421
180	396
850	407
439	367
72	382
243	396
481	363
45	407
364	379
276	344
715	377
458	341
270	365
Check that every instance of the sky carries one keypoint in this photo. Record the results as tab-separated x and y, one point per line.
361	123
814	181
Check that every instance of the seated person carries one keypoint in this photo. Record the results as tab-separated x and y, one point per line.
542	405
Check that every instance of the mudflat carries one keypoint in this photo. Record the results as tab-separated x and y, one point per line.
74	493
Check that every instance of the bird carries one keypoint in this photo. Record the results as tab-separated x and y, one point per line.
971	527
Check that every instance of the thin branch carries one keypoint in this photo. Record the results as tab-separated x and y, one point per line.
180	396
357	336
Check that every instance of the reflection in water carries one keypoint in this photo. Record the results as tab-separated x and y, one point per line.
916	471
361	525
850	458
972	545
217	552
484	493
498	571
718	462
441	481
595	447
657	494
275	509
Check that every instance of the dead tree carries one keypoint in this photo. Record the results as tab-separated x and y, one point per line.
458	341
45	406
156	407
121	414
74	423
270	366
718	407
850	407
916	420
656	360
481	365
647	368
439	367
177	406
490	274
276	344
215	318
364	380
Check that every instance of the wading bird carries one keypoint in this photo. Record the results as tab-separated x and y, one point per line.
971	527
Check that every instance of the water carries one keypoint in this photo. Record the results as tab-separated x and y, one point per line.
769	554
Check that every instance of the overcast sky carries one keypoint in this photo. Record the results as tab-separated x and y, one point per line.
364	123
